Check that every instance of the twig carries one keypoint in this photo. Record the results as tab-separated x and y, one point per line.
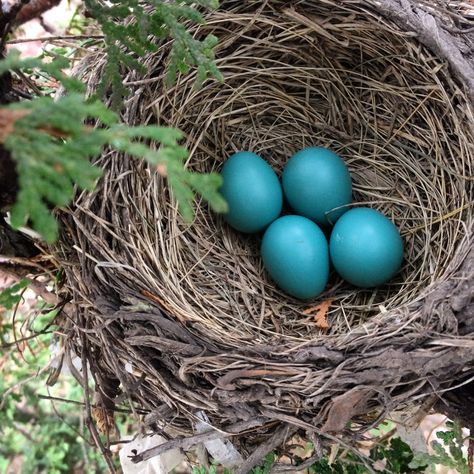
12	388
89	421
31	84
285	468
373	442
54	38
435	427
33	9
58	399
281	434
8	19
15	338
23	339
180	443
75	402
73	428
83	446
187	443
19	93
36	286
23	432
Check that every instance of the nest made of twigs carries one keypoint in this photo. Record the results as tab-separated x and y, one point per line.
191	309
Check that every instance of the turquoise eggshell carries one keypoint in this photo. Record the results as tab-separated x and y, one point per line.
296	255
316	181
252	191
366	248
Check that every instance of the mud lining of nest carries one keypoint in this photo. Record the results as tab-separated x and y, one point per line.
190	308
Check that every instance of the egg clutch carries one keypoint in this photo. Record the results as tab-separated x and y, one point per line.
365	247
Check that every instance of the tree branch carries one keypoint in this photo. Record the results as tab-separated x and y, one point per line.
189	442
7	20
431	33
38	287
279	437
34	9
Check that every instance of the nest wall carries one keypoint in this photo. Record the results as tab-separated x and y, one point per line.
190	308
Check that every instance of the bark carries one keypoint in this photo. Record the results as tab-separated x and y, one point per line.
12	243
21	12
15	244
34	9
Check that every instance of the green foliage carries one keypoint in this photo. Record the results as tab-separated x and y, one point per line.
44	438
11	296
447	453
52	149
397	455
215	469
200	470
393	456
170	160
350	463
79	24
382	429
338	467
267	465
56	450
13	62
131	28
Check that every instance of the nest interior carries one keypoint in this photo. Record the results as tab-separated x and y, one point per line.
190	308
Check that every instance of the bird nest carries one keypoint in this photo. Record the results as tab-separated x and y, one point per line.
182	319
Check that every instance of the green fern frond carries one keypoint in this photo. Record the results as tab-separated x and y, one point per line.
14	62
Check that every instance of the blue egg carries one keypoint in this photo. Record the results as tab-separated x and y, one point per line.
296	255
366	248
316	183
252	191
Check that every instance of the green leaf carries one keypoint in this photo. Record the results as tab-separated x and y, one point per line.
208	185
420	461
14	62
11	296
270	459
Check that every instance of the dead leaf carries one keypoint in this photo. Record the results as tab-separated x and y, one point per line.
333	453
104	420
380	465
344	407
8	118
298	446
321	311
